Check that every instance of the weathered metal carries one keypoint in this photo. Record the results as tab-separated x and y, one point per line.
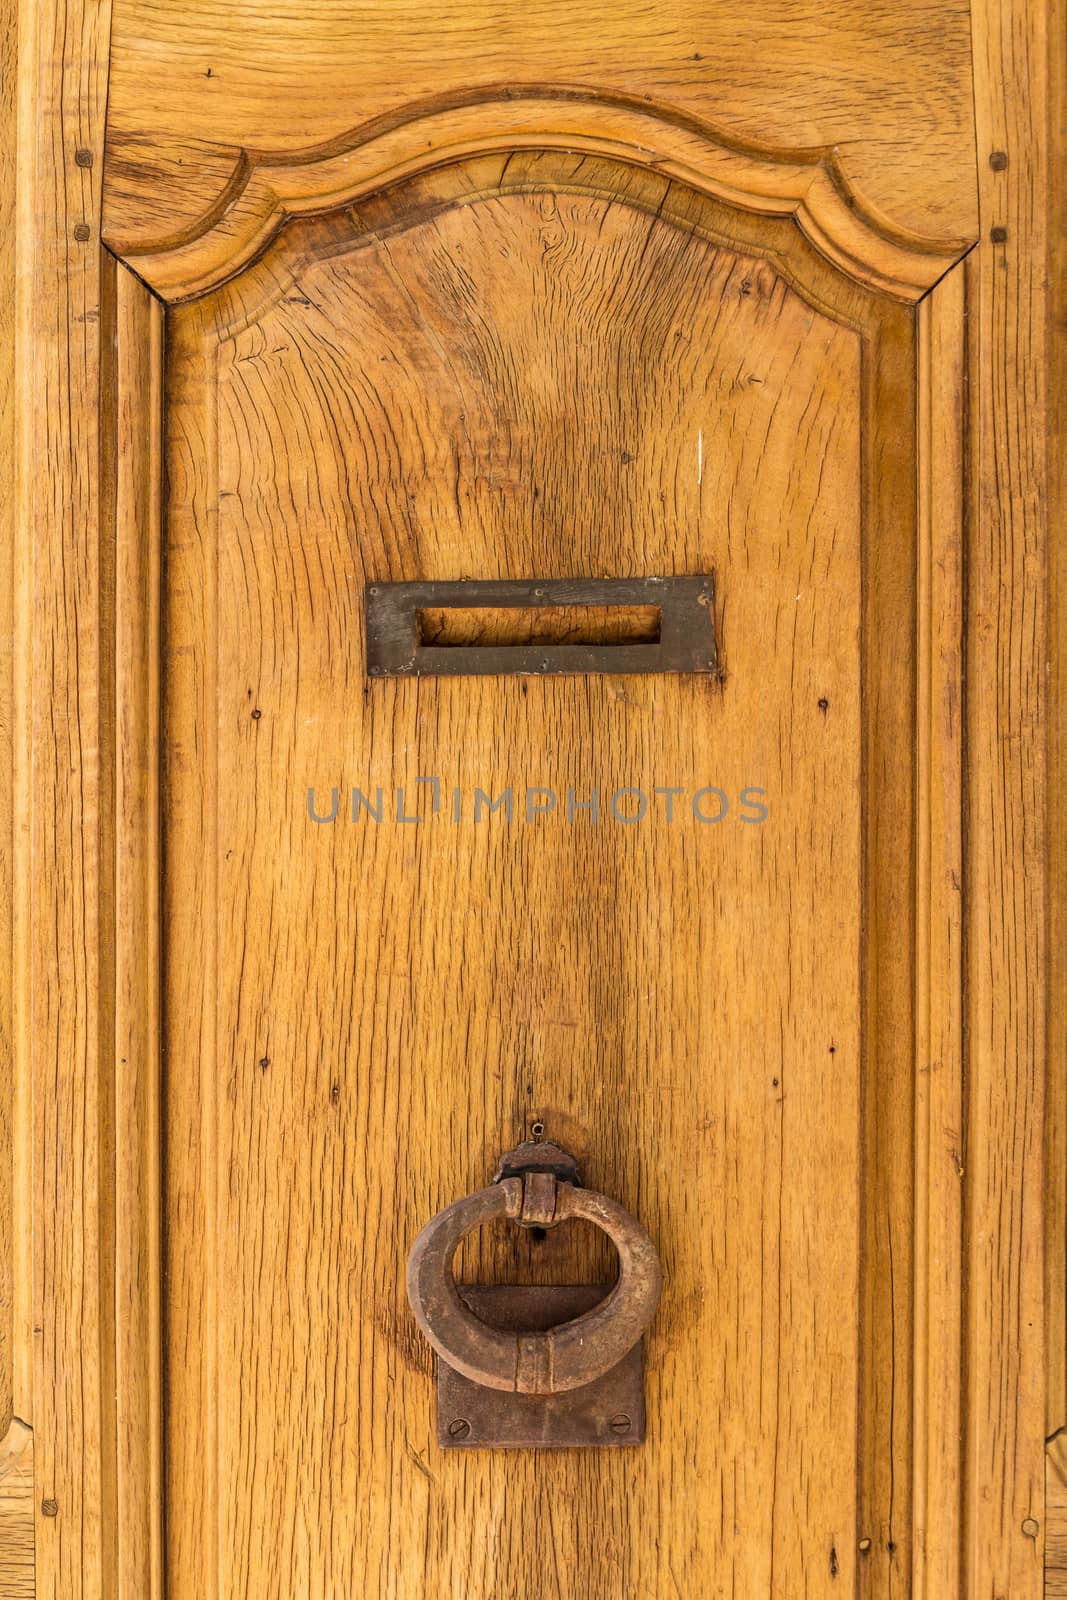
538	1155
686	641
540	1358
609	1412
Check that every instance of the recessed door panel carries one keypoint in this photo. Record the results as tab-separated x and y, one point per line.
413	921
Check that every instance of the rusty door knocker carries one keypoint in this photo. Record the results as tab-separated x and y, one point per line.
536	1365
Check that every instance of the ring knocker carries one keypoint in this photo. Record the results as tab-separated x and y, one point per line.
536	1187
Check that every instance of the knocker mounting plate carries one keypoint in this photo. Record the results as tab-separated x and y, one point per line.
609	1411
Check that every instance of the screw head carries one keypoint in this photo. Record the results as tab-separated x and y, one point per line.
50	1508
1031	1528
459	1428
620	1423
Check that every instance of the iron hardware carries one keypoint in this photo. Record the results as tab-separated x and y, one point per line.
544	1366
683	639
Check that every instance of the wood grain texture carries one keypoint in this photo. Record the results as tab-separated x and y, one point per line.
132	483
16	1403
63	763
494	372
1006	805
1056	467
363	399
268	190
1056	1520
16	1514
886	87
11	1279
940	1135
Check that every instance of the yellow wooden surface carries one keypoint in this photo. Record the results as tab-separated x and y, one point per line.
64	935
886	87
133	406
1056	1041
268	190
16	1514
860	1170
937	1464
16	1405
502	372
8	192
1055	1530
1007	802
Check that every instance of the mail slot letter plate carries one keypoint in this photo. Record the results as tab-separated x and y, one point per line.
682	638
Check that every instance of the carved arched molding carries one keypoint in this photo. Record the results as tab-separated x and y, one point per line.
265	190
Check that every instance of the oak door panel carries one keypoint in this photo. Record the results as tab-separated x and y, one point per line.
537	367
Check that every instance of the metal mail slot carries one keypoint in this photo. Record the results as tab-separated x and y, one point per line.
540	626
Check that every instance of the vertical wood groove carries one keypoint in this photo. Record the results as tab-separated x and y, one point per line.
939	916
190	713
133	402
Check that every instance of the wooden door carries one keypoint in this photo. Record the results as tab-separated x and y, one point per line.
372	297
